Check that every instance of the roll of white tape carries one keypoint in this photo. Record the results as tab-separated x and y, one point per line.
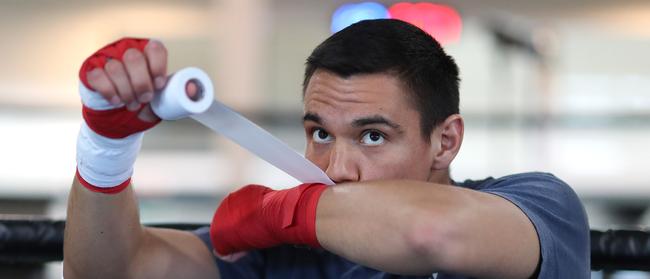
173	103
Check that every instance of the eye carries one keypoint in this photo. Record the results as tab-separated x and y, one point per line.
372	138
321	136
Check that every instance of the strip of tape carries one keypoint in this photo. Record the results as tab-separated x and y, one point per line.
173	103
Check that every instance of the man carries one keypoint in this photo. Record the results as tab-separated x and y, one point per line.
381	119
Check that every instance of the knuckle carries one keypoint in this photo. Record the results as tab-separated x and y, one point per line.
100	87
138	82
97	84
127	98
163	50
113	67
127	89
156	46
140	86
93	76
106	94
132	55
157	56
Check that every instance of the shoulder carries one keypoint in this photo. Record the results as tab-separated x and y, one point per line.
557	214
537	188
541	196
544	187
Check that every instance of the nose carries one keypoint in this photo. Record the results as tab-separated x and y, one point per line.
343	164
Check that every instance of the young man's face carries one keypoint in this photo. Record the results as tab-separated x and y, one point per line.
364	128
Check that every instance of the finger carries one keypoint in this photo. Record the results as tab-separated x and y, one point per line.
156	54
137	69
100	83
192	90
117	74
147	114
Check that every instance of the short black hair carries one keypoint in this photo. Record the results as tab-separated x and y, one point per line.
394	47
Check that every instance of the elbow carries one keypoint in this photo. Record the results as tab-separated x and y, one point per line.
437	239
73	269
68	270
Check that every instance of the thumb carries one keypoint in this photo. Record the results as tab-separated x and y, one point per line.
147	114
231	258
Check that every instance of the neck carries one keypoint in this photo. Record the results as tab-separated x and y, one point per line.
440	177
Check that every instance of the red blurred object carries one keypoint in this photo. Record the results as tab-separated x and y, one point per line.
440	21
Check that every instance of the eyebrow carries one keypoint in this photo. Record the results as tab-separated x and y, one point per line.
375	119
312	117
359	122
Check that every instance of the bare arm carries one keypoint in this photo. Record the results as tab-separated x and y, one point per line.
104	239
413	227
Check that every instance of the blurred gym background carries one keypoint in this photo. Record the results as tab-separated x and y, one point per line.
556	86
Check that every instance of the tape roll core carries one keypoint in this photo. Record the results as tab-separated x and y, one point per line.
199	89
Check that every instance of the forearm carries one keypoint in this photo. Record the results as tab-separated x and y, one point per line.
410	227
375	224
102	235
104	238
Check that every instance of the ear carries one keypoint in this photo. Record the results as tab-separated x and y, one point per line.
450	136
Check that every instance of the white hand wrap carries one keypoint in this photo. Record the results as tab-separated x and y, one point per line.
101	161
104	162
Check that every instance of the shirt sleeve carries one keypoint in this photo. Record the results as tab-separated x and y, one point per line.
559	218
251	266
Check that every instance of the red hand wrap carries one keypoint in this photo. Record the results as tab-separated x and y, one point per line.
118	122
115	123
257	217
110	190
114	50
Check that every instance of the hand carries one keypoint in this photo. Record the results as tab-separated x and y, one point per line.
118	82
131	79
257	217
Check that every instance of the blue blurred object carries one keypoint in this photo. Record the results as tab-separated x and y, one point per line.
350	13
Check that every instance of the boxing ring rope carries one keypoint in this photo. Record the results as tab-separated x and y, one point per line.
39	241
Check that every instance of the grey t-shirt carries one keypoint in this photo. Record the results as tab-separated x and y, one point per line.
551	205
